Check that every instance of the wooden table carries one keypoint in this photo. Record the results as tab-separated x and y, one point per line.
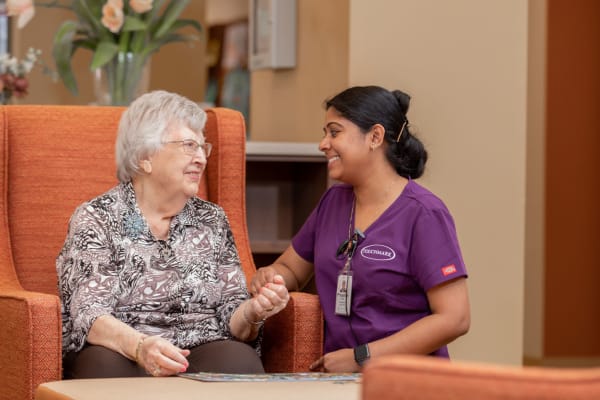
183	388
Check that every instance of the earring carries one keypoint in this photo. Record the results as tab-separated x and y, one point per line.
147	166
372	146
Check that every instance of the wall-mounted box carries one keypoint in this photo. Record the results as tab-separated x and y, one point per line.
272	38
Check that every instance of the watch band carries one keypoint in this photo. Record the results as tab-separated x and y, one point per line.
361	354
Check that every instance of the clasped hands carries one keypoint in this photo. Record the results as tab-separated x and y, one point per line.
268	298
337	361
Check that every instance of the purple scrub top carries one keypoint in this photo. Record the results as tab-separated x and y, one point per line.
411	248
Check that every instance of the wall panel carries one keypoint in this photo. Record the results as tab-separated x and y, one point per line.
572	298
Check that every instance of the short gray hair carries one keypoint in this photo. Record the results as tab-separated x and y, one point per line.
146	122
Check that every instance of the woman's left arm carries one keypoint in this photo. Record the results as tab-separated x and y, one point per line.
156	355
450	318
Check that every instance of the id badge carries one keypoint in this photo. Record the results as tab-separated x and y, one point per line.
343	294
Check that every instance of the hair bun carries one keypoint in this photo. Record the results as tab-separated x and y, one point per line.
403	99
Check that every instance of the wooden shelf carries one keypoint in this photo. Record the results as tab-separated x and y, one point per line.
283	151
284	182
269	246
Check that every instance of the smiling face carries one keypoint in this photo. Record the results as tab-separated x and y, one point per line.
174	171
346	148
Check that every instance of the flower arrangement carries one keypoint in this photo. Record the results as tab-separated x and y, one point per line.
117	33
13	74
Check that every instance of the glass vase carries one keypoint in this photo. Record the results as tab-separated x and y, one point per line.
122	79
5	98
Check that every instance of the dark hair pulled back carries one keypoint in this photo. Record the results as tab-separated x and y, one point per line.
366	106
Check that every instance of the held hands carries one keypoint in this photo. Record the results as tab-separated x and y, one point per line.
268	299
337	361
159	357
263	276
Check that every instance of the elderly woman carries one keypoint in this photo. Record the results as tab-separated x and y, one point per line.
149	276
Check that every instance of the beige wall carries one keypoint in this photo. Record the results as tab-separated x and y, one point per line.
225	11
465	64
39	33
286	105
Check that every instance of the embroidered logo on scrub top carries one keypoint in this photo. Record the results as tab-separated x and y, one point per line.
448	269
378	252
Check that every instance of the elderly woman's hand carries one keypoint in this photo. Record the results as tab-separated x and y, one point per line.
269	299
159	357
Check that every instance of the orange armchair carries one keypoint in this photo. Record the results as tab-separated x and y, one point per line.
421	377
52	158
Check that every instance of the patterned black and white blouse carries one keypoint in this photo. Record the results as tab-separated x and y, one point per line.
185	288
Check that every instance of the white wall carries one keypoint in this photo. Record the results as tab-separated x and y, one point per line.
465	64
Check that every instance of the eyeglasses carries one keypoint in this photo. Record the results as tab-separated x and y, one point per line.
190	146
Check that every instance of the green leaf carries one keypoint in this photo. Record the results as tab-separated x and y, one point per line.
171	14
124	41
156	6
90	14
172	36
86	44
133	24
155	45
62	52
138	42
182	23
104	53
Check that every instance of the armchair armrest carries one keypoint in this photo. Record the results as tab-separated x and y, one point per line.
31	340
293	339
407	377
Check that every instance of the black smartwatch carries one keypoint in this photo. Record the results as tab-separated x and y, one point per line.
361	354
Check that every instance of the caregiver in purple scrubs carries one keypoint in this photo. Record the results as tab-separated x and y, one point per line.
383	249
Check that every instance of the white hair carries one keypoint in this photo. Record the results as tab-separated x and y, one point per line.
146	122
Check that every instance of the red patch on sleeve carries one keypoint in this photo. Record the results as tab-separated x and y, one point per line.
448	269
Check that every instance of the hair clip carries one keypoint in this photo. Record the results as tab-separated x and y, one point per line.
401	130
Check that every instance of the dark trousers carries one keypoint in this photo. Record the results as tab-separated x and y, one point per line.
227	356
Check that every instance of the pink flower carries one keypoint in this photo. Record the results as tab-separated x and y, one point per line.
20	87
141	6
8	81
112	15
23	8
